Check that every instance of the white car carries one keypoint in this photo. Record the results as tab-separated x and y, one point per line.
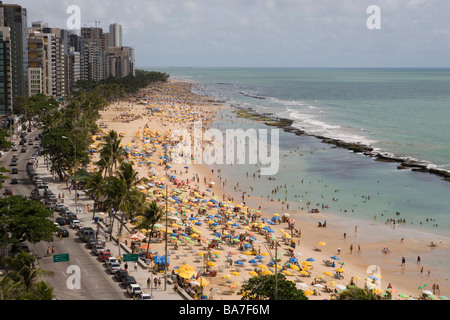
113	267
134	289
111	260
75	224
144	296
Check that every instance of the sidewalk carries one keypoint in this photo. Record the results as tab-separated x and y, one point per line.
80	208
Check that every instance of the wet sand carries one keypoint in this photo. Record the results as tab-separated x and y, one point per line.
371	237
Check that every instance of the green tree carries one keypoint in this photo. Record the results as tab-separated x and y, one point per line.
24	269
25	220
262	288
356	293
111	153
151	214
95	187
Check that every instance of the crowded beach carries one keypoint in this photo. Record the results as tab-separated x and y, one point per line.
215	244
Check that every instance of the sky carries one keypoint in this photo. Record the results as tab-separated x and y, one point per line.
267	33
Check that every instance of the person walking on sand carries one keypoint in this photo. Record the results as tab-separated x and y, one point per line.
403	261
418	260
351	248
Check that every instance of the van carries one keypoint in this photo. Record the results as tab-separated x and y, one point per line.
86	233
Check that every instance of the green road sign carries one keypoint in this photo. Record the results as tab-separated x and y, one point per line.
61	257
130	257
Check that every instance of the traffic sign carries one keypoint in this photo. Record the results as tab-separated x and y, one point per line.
131	257
61	257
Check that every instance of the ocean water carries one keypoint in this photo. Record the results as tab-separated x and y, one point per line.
403	112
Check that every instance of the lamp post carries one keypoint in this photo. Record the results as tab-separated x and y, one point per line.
74	170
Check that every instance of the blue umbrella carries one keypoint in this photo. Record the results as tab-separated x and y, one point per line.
293	260
335	258
253	261
259	257
239	262
310	259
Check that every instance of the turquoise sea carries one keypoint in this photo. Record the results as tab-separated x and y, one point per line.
402	112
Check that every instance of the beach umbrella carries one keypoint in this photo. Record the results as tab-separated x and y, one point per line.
340	270
328	273
235	273
253	273
321	243
308	292
332	283
318	285
335	258
286	272
306	263
402	295
442	298
310	259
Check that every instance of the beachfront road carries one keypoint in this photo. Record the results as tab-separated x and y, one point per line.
83	277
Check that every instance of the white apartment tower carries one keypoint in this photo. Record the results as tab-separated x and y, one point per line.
115	35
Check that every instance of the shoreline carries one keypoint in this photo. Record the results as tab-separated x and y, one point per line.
356	264
405	163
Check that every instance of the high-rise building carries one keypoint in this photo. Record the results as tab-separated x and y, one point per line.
5	76
115	35
15	17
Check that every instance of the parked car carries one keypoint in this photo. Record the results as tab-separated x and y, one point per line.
134	289
64	232
113	267
8	192
144	296
104	255
14	148
75	224
59	207
13	163
14	181
96	249
91	242
128	280
23	149
61	221
120	274
14	171
111	260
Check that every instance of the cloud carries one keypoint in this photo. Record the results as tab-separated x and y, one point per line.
266	32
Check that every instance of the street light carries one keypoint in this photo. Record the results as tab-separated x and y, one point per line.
74	171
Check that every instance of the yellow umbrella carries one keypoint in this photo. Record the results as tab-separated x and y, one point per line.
211	263
306	263
328	273
286	272
203	281
340	270
295	267
187	274
261	266
308	292
332	283
226	276
304	273
322	244
235	273
253	273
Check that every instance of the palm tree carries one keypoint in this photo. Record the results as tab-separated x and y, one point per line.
24	269
151	213
111	153
122	194
95	187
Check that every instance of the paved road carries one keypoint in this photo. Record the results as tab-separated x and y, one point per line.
95	281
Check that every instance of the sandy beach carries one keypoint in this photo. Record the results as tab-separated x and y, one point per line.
145	124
